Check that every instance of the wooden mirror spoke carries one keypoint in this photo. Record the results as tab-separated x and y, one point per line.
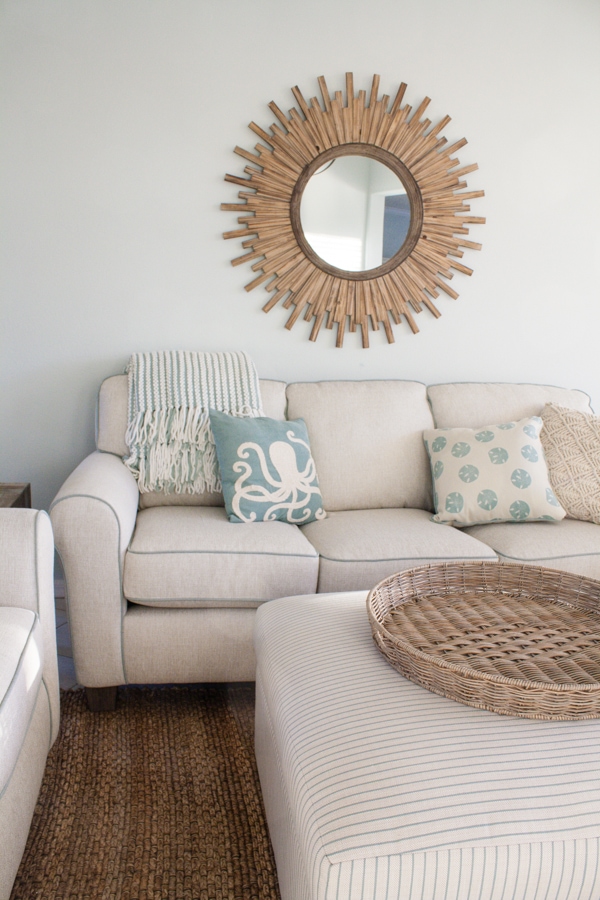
296	148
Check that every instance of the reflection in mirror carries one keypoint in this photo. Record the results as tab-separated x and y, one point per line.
355	213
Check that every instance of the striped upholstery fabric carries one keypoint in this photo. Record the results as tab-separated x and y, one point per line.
377	789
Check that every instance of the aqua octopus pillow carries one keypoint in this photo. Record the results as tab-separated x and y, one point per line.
497	473
267	469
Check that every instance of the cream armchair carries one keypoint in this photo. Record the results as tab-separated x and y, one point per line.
29	695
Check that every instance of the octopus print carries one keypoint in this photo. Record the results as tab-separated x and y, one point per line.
287	490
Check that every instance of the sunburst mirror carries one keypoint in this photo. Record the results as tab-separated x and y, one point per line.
355	213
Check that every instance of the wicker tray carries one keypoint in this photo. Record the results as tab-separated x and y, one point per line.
517	640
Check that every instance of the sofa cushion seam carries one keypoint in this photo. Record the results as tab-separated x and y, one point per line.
131	552
142	601
548	558
446	558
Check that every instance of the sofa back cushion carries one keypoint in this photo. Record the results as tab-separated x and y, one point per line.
366	440
111	426
473	404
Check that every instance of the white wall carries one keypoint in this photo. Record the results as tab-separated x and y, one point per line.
117	123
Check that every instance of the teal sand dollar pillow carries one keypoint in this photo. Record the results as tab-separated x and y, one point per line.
267	469
497	473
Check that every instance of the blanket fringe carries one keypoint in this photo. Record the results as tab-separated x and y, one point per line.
175	450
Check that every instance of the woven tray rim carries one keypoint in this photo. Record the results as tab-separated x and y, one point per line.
464	670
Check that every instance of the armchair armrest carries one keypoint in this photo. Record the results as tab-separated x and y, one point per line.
27	566
93	516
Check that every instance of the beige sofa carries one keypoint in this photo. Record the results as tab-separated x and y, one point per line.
163	588
29	697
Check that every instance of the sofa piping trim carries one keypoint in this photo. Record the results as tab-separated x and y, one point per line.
405	558
535	559
130	552
356	381
50	711
37	597
243	601
107	453
557	387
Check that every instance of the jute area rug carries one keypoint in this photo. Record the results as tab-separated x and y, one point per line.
159	800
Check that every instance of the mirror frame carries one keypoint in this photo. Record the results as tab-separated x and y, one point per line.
272	233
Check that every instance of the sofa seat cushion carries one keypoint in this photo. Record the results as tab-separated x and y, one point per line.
193	556
20	677
570	545
360	547
366	440
376	788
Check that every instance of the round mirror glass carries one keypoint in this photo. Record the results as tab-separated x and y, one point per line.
355	213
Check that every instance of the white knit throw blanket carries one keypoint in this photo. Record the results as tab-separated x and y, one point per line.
170	441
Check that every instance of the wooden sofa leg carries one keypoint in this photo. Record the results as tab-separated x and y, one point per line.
102	699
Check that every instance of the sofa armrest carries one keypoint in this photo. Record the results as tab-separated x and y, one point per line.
27	581
93	516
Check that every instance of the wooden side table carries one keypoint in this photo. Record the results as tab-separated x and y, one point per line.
15	495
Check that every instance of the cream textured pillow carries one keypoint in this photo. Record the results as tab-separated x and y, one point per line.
492	474
571	442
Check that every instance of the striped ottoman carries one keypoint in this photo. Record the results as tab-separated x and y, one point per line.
375	788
